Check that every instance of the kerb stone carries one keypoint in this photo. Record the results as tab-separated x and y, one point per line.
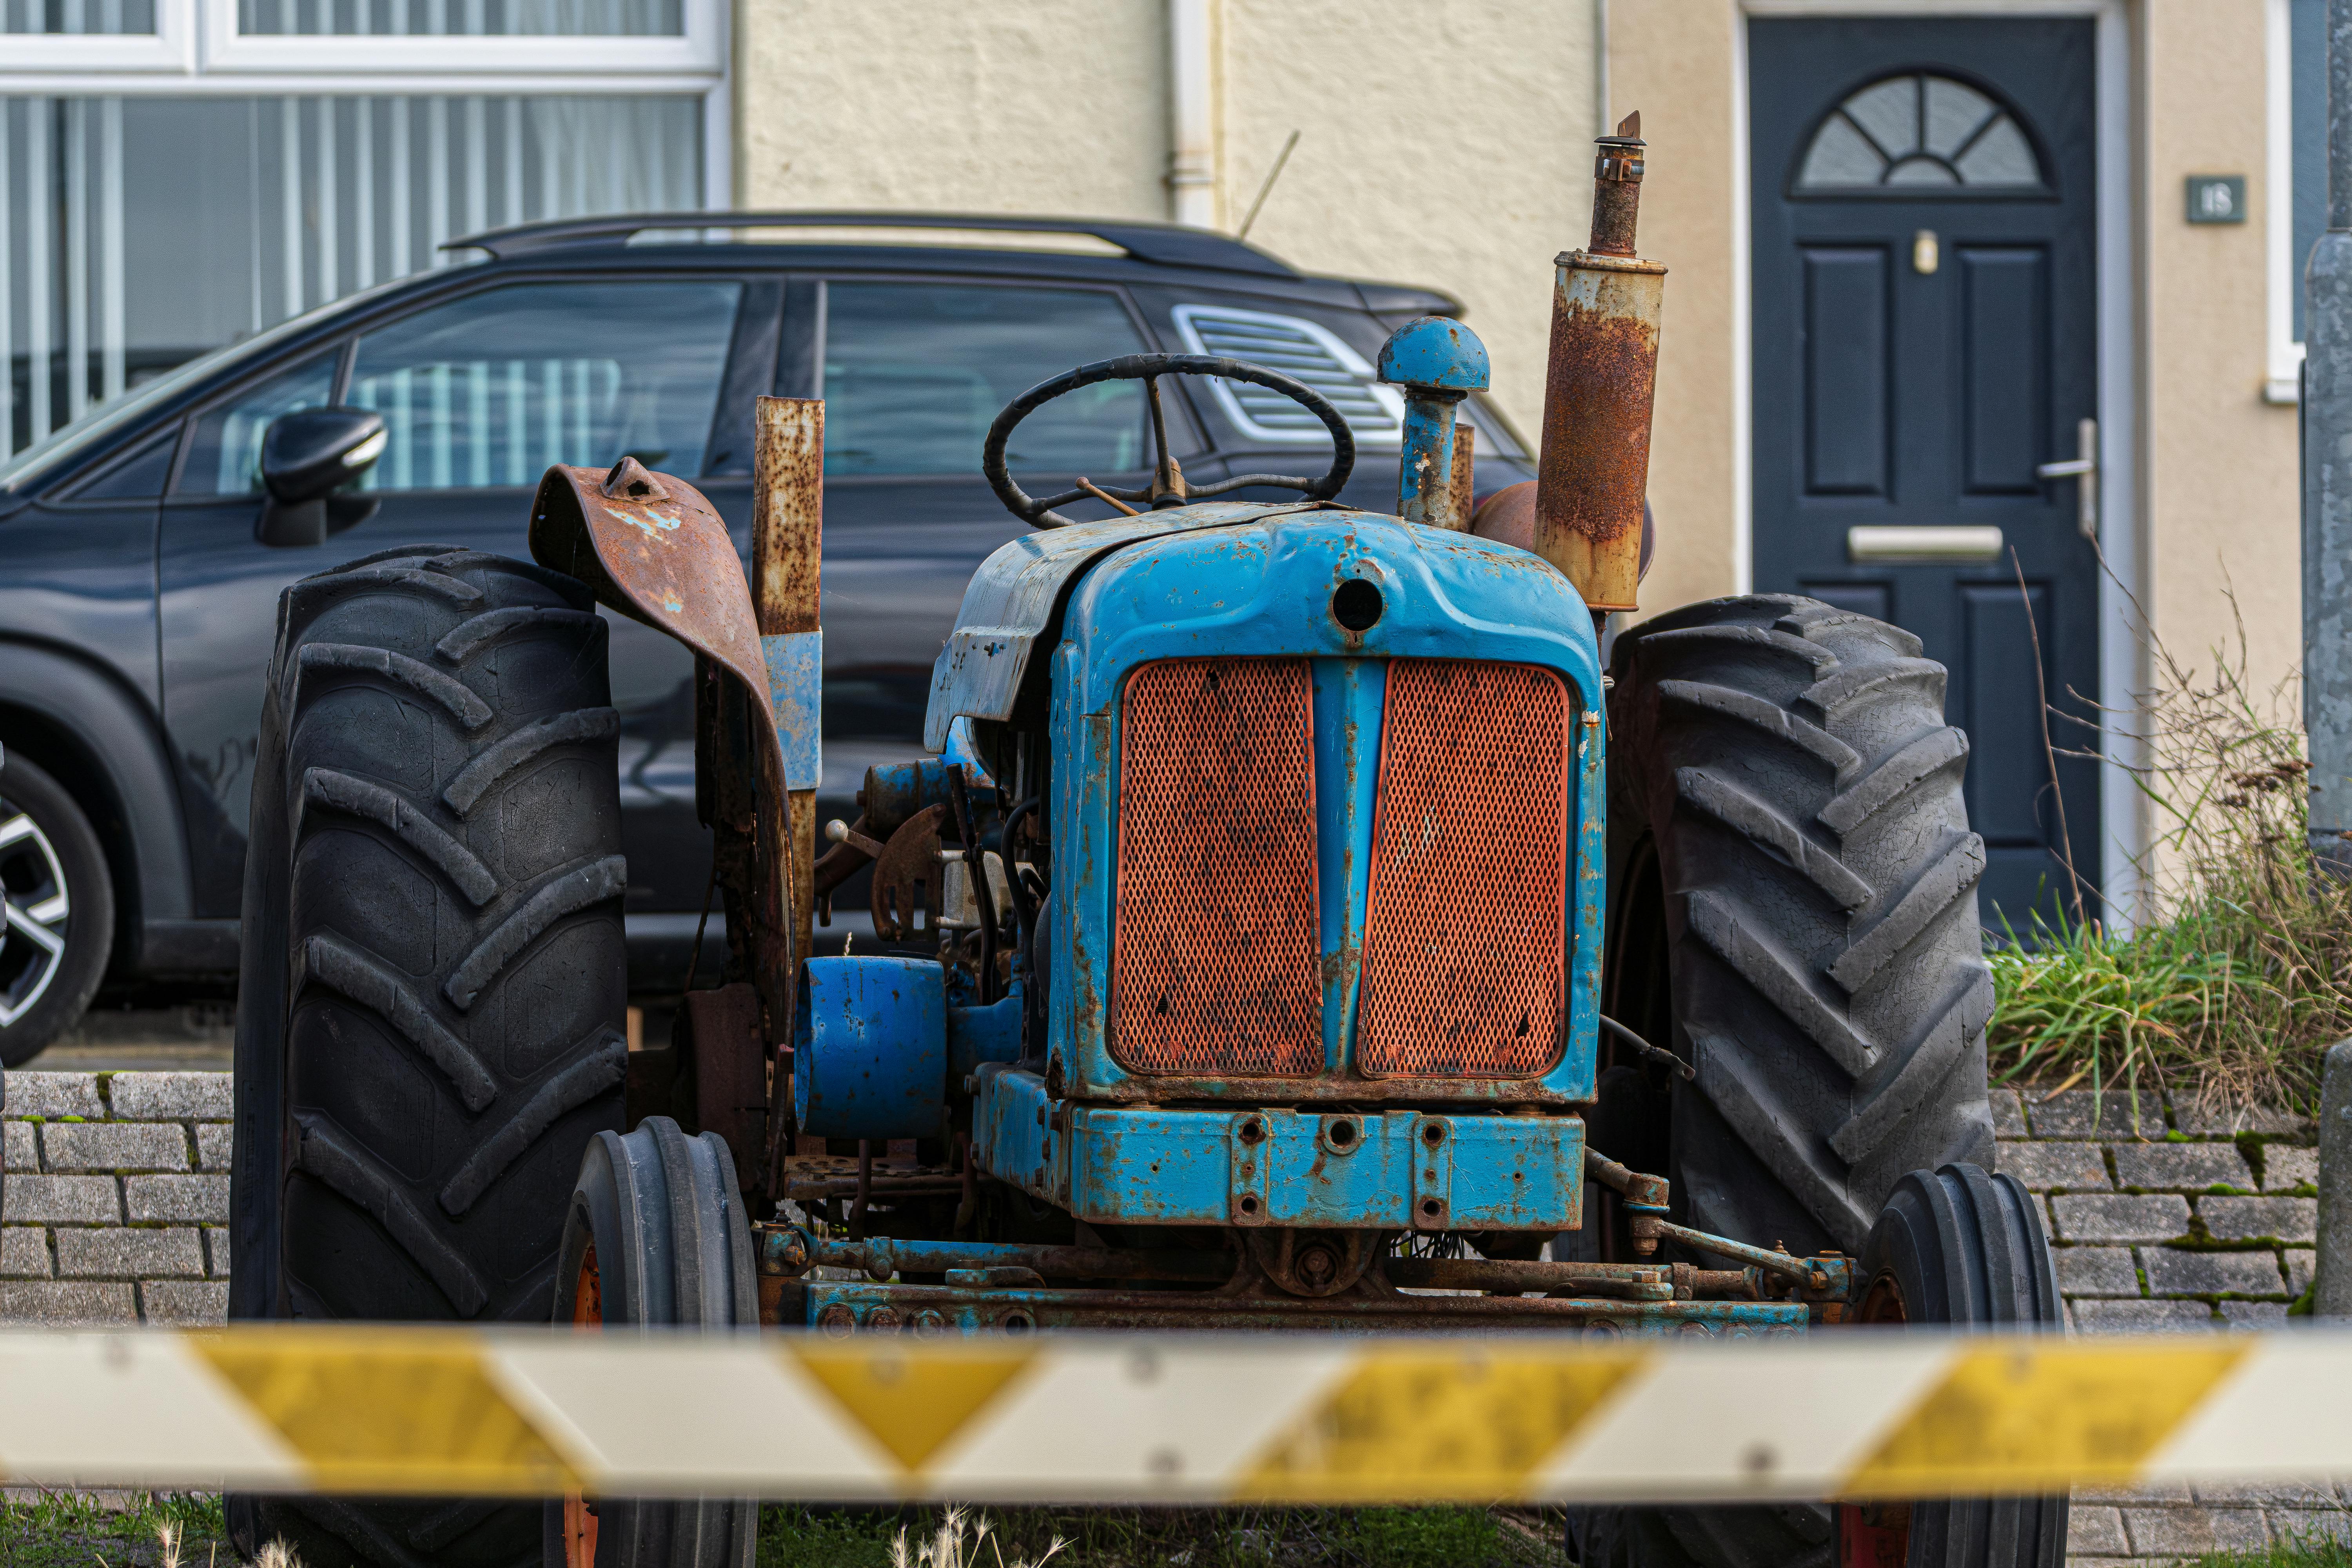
172	1096
2093	1216
201	1198
2193	1531
24	1252
2190	1168
2171	1272
2096	1272
2075	1167
2244	1219
114	1252
173	1302
2288	1165
55	1303
70	1200
114	1146
2079	1113
50	1095
2139	1317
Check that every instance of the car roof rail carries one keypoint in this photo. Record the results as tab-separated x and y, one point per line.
1173	244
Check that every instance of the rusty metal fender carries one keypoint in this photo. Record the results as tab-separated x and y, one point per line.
650	547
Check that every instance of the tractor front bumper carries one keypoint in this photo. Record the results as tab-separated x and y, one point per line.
1346	1170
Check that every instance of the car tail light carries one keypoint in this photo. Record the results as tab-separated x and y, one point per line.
1466	940
1215	955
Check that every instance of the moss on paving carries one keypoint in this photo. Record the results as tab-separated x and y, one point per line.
794	1537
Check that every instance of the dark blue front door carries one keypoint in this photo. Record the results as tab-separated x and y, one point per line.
1925	335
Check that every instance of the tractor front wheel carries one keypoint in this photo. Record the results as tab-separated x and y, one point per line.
1958	1247
656	1237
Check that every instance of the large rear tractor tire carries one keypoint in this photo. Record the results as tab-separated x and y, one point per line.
1794	912
656	1237
433	984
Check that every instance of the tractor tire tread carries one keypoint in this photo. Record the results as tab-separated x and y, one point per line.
1820	910
399	1156
478	778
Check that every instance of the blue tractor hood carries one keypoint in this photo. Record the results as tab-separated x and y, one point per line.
1455	595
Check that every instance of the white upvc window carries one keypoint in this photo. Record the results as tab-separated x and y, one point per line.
2296	153
178	174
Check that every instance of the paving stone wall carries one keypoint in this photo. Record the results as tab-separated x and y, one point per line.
2166	1215
117	1198
2163	1214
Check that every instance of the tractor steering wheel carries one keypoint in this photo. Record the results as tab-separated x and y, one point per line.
1167	487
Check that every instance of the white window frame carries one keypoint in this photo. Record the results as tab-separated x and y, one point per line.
196	50
2285	383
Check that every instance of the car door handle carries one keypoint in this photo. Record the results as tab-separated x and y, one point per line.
2083	469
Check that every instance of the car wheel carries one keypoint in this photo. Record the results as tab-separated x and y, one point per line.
60	911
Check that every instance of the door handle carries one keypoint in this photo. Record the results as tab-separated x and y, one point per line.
2083	469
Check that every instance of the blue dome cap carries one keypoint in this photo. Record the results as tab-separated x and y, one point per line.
1435	352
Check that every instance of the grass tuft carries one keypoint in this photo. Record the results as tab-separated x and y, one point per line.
2313	1550
57	1528
797	1537
2239	975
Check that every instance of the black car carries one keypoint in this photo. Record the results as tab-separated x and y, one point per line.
144	553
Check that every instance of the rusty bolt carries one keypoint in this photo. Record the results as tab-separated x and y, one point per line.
837	1320
1317	1265
783	1252
885	1321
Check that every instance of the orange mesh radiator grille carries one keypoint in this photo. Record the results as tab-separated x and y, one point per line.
1215	961
1465	944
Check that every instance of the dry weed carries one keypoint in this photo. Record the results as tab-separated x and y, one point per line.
2241	972
949	1548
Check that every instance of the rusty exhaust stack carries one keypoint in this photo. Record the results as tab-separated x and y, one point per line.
1595	465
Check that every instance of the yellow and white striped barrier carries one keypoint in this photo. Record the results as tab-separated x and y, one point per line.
1164	1420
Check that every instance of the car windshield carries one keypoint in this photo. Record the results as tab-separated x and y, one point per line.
62	445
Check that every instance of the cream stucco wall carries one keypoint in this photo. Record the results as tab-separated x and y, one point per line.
1050	106
1676	61
1448	146
2219	466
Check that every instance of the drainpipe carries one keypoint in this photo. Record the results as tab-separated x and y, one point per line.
1191	142
2326	410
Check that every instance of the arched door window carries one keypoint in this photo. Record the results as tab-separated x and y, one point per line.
1919	134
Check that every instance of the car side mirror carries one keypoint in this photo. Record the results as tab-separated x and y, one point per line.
307	458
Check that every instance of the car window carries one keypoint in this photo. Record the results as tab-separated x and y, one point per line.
915	373
493	389
137	477
1303	350
225	458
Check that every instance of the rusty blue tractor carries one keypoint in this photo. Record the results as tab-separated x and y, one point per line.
1298	926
